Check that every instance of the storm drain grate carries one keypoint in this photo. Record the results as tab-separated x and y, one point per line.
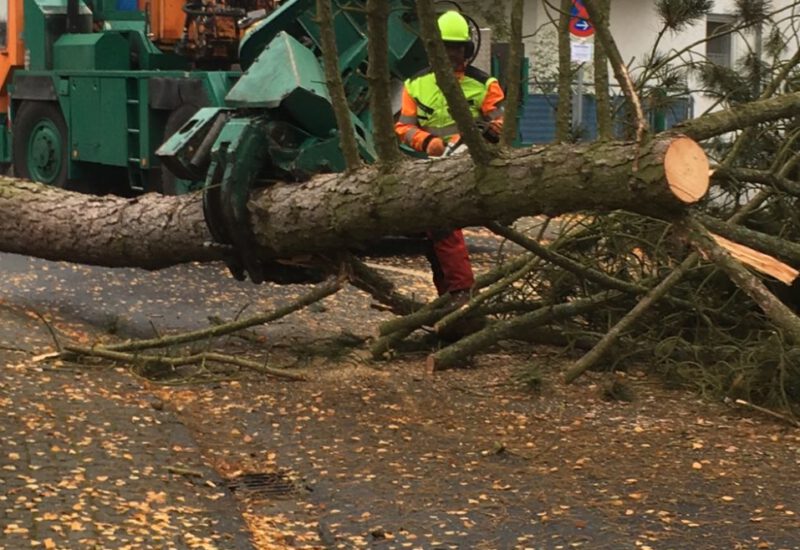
266	485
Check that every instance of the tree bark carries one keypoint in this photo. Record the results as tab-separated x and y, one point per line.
329	211
379	82
333	80
151	231
741	116
605	127
513	76
564	110
337	211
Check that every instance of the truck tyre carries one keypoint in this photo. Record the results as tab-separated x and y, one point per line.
177	118
39	143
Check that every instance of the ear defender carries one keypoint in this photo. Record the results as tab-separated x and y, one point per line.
469	49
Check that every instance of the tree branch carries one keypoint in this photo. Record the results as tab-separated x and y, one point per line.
182	360
741	116
609	338
378	78
564	109
333	80
500	330
605	127
513	76
600	22
379	287
322	291
777	311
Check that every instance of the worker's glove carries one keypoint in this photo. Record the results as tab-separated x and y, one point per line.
494	131
435	147
496	126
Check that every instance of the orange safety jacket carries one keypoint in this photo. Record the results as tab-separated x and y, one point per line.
424	113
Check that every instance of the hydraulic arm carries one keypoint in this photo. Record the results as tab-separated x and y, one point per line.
278	122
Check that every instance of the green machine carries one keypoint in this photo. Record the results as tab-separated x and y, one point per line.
277	122
100	90
96	95
101	98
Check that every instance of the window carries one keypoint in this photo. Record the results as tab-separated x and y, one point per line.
718	45
3	23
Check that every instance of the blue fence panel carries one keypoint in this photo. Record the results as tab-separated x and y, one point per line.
538	121
538	118
588	129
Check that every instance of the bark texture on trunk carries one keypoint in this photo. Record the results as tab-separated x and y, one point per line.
336	211
605	125
564	110
513	77
333	81
740	116
380	90
330	211
151	231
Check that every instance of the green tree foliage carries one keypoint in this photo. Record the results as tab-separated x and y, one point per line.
752	12
679	14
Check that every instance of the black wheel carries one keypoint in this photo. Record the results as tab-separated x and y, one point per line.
170	183
39	137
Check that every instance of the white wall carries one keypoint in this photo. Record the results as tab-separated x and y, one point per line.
635	26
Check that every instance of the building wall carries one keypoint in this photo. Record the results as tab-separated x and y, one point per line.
635	26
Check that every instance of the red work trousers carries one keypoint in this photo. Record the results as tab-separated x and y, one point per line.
449	259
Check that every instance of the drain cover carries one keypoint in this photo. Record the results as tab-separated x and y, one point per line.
267	485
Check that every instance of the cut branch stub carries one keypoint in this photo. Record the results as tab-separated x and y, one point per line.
687	170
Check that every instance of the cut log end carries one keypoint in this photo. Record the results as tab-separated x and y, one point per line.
687	170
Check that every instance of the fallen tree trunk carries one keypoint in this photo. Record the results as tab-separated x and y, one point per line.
151	231
328	211
335	211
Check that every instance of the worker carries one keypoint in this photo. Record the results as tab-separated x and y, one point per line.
425	125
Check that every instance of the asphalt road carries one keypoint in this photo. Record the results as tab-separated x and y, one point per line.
392	459
132	302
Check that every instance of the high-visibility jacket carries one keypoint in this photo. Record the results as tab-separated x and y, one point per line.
424	113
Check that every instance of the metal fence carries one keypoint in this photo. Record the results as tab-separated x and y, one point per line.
538	117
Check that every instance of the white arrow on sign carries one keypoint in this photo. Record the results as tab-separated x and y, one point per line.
582	25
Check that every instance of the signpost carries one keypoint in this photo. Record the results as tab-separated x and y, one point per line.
581	29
